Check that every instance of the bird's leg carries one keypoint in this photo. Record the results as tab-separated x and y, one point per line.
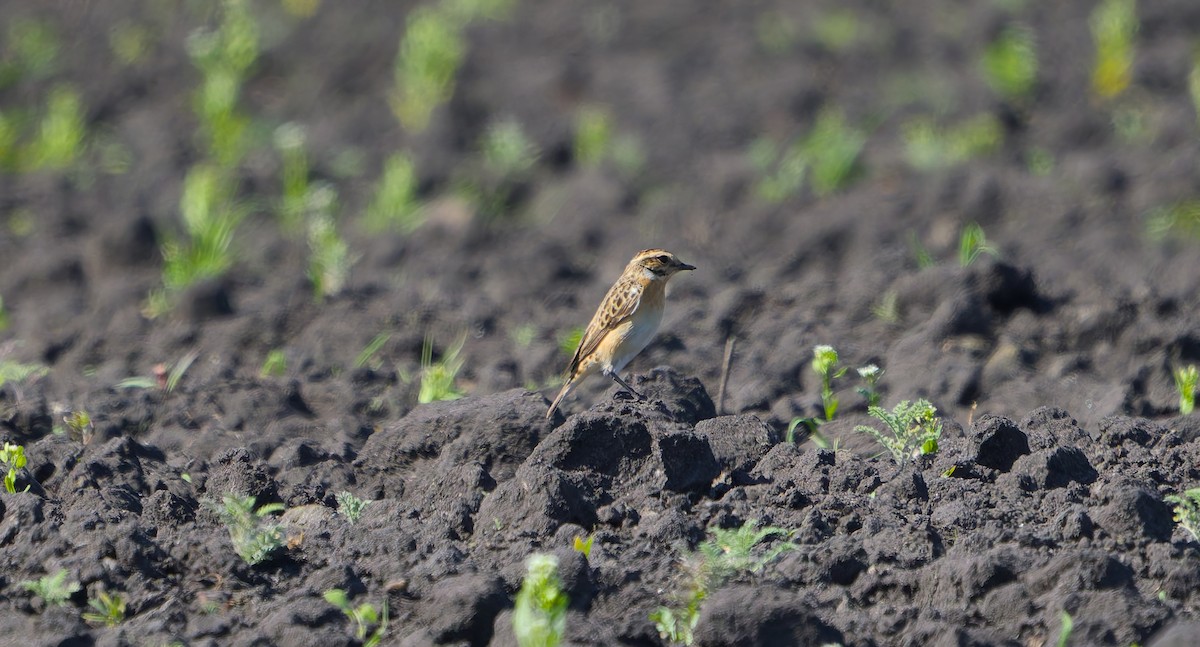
618	380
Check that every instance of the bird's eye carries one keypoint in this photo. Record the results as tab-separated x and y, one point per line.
664	259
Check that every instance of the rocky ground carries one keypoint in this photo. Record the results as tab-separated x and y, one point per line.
1049	357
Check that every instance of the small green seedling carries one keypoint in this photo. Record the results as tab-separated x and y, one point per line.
366	357
224	56
824	364
350	506
109	610
540	612
275	365
814	434
289	140
569	340
870	375
61	134
1010	63
928	146
1181	219
165	378
1113	23
1194	83
3	316
912	429
255	538
1186	378
52	589
507	150
431	51
395	206
583	546
437	378
593	135
79	426
971	243
726	554
365	616
329	259
1068	626
887	309
211	216
14	457
15	372
827	157
1187	511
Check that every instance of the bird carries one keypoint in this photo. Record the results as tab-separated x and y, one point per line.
624	323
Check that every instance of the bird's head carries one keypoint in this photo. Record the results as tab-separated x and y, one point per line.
659	264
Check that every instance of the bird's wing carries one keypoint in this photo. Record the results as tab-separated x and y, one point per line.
618	305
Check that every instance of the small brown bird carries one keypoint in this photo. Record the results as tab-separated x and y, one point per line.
625	322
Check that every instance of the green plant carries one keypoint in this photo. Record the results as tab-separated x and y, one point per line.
928	146
583	546
431	51
524	335
329	258
824	364
109	610
437	379
833	148
1068	626
254	536
593	135
367	354
1179	219
971	243
12	371
569	340
3	316
1187	510
1039	161
887	309
540	612
210	219
52	589
14	457
224	56
129	43
827	157
165	378
289	141
1113	23
870	375
912	429
1186	378
365	616
837	30
725	554
178	369
79	425
350	506
1010	63
1194	83
60	134
506	149
275	364
394	206
33	51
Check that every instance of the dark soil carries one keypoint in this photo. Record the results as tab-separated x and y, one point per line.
1051	364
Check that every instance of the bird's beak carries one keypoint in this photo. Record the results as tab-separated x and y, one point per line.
685	266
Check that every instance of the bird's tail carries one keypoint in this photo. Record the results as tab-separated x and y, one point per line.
566	390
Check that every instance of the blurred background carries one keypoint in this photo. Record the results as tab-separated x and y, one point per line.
359	194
